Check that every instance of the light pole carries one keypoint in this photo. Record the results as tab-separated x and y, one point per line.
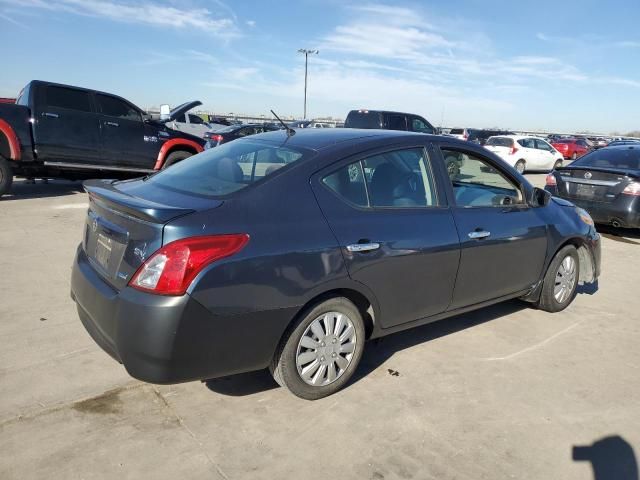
306	62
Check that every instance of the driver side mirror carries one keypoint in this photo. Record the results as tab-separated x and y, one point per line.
540	197
165	112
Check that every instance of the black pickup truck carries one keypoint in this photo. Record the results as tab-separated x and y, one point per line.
59	131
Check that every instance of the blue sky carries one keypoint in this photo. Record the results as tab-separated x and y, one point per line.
563	65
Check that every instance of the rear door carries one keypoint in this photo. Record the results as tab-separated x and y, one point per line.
503	239
395	228
67	128
124	141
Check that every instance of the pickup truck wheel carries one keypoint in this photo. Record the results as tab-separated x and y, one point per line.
175	157
6	176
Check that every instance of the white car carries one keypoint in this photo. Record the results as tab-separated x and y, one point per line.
461	133
525	153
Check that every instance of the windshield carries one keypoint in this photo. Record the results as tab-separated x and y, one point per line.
228	168
627	158
357	119
500	142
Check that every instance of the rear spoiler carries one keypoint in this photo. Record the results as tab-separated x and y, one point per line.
106	194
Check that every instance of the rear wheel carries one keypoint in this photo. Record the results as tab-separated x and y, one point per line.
320	352
6	176
561	281
574	155
175	157
520	166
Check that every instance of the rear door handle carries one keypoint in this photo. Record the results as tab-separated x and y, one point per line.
363	247
50	115
112	124
478	234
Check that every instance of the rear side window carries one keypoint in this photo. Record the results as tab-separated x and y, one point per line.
114	107
542	145
227	168
456	131
401	179
68	98
348	183
397	122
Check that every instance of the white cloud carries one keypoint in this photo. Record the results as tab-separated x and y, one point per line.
139	12
251	23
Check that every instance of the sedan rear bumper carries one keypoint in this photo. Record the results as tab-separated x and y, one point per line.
163	339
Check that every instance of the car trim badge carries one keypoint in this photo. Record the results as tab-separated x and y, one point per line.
95	225
588	175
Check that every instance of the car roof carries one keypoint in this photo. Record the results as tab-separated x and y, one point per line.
320	138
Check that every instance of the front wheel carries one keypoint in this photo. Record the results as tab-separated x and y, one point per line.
6	177
561	281
557	165
320	352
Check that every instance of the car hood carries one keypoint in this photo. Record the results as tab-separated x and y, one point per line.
184	108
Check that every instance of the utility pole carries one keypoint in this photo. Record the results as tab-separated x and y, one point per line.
306	53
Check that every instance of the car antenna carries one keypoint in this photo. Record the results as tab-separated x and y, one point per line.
290	131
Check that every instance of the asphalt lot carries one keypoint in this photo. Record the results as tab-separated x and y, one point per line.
505	392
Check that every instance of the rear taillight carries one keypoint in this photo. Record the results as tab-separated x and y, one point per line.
513	150
216	138
632	189
466	136
171	269
550	181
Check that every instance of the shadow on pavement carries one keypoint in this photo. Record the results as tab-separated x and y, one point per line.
376	351
624	235
611	458
587	288
55	188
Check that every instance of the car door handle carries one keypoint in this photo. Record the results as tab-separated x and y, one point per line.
50	115
478	234
112	124
363	247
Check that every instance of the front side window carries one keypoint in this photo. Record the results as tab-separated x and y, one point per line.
195	119
68	98
476	183
227	168
114	107
542	145
418	125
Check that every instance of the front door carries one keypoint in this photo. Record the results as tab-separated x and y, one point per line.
396	231
125	141
67	128
503	239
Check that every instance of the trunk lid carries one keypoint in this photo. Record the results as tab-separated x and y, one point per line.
125	223
592	183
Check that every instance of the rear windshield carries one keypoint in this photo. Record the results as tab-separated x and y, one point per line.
500	142
456	131
627	158
227	168
357	119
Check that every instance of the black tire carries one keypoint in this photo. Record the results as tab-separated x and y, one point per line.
548	301
6	176
175	157
574	155
557	165
521	166
284	366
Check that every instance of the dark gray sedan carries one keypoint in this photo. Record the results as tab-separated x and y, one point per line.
289	251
